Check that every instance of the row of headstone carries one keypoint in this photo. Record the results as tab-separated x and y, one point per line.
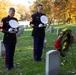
53	62
51	29
21	30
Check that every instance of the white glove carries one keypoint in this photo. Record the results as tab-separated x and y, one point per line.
10	30
40	25
15	30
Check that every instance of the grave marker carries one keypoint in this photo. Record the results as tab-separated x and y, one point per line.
58	31
2	49
53	62
51	29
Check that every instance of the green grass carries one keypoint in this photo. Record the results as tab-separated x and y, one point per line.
23	59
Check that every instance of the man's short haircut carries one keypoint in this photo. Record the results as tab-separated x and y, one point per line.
39	5
13	9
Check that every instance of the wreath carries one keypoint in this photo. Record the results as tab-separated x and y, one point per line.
64	41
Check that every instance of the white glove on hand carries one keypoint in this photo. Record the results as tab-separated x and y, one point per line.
40	25
10	30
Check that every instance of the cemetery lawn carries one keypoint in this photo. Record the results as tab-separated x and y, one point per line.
23	60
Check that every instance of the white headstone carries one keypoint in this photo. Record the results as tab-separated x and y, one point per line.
51	29
58	31
53	62
2	49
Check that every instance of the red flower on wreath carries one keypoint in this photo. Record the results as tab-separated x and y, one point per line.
57	44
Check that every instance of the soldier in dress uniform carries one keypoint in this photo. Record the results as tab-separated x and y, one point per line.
9	39
38	33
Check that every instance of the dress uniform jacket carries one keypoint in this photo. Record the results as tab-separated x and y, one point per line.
8	37
35	19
